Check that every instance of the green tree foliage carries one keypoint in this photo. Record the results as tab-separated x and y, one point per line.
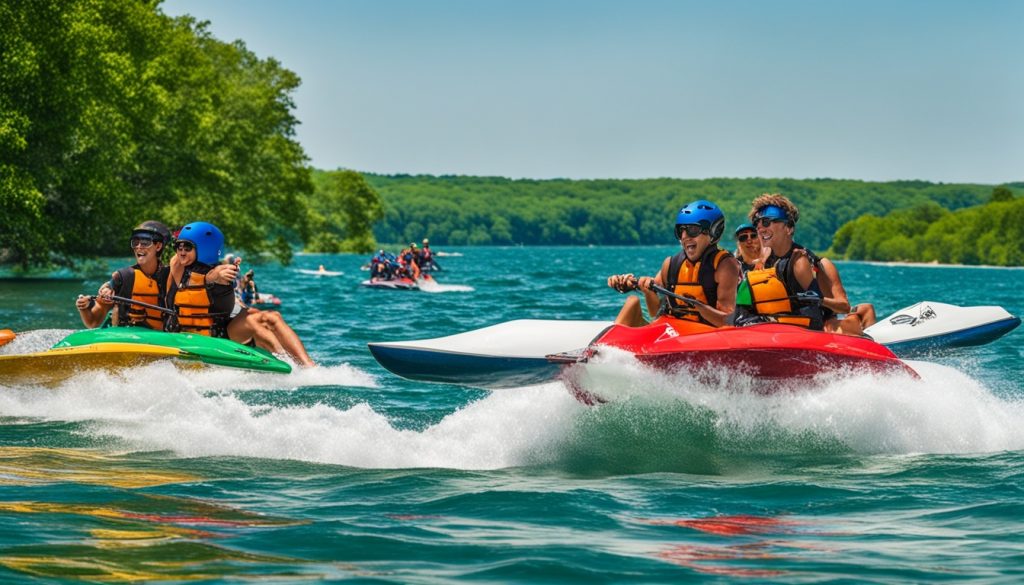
457	210
992	233
1001	193
342	211
112	113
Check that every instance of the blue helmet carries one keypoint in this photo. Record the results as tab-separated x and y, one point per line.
705	214
207	238
773	212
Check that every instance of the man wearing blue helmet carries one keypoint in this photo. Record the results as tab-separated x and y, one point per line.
700	271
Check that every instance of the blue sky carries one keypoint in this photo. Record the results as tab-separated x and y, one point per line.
872	90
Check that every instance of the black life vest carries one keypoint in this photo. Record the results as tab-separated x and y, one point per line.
695	280
132	283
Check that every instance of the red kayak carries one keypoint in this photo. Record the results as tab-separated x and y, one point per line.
767	351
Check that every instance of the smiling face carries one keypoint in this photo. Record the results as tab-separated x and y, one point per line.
146	251
693	245
777	235
186	252
749	245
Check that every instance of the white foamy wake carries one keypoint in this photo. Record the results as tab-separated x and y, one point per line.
34	341
945	411
202	414
194	416
432	286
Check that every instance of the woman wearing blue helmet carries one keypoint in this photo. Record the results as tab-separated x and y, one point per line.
700	271
206	309
201	308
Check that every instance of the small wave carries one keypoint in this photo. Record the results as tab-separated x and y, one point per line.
34	340
432	286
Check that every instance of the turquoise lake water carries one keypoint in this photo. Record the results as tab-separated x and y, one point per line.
348	472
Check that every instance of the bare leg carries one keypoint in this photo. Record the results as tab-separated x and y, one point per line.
866	312
246	327
286	336
851	325
630	314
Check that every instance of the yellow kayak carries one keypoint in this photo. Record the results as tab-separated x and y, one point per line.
58	364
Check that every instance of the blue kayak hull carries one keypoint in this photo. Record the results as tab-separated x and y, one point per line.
979	335
483	371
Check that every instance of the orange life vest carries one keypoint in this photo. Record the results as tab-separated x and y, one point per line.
770	297
192	303
137	285
695	280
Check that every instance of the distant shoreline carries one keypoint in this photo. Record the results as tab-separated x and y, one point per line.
933	265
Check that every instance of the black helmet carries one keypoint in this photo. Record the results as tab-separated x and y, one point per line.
155	230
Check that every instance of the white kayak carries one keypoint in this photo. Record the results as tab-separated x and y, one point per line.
505	355
927	327
515	353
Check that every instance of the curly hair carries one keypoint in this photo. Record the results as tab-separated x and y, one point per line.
776	199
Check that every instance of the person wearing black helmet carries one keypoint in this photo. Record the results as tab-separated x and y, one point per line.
700	271
144	281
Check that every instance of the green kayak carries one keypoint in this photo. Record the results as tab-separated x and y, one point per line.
208	350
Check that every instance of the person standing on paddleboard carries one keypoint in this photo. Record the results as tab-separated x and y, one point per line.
701	271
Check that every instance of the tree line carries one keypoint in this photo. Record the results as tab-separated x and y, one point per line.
992	233
112	112
466	210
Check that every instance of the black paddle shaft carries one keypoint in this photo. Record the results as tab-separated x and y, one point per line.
140	303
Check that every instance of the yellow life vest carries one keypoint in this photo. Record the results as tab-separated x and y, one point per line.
192	303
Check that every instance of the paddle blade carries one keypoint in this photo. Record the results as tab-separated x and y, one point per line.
6	336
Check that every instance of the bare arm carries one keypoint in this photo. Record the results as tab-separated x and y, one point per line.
727	276
94	311
832	291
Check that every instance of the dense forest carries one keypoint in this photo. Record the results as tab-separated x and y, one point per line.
112	112
456	210
992	233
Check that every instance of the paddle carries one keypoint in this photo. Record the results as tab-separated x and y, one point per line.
140	303
6	336
689	301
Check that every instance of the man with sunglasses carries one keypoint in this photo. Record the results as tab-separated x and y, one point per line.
784	287
144	281
700	271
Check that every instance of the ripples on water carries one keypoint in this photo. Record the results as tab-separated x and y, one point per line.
346	471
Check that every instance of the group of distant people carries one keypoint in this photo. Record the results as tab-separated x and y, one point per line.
770	278
412	263
194	292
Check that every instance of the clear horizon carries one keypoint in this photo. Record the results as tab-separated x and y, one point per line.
873	91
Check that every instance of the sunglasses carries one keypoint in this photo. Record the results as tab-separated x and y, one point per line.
746	236
692	230
186	246
140	242
766	221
